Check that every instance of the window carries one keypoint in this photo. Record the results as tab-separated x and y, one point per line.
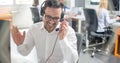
94	2
12	2
23	1
6	2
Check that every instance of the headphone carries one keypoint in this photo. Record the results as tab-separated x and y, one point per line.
51	2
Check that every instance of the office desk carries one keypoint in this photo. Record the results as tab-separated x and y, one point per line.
115	26
6	15
111	42
77	23
81	23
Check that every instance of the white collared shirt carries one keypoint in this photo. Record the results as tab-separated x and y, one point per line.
104	20
65	50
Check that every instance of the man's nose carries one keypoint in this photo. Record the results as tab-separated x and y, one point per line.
51	21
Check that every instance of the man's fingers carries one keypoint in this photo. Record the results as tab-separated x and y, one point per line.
13	32
13	29
17	36
64	23
17	29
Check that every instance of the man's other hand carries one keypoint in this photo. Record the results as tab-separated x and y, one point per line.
17	36
63	29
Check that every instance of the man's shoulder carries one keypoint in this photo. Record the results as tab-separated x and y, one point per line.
70	29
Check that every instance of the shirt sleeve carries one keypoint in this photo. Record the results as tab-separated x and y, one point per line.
108	20
69	47
27	45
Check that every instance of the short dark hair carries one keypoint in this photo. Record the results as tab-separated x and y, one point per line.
53	4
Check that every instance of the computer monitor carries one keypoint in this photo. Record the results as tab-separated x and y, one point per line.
116	5
113	5
94	2
4	41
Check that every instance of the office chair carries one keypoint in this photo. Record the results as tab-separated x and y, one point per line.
79	43
91	28
35	14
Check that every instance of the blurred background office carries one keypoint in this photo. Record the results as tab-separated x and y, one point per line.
19	13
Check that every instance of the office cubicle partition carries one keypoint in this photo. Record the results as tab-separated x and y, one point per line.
4	41
117	43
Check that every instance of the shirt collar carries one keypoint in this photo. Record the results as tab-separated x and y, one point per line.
43	28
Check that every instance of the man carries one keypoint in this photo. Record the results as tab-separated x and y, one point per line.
55	42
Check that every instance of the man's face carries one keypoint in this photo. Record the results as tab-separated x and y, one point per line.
51	17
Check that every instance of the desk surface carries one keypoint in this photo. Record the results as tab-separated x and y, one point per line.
117	24
5	14
111	41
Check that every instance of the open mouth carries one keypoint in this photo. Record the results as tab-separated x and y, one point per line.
50	24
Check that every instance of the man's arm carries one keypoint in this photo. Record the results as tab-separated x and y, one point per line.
69	46
17	36
27	45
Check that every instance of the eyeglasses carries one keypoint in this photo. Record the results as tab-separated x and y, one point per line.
47	17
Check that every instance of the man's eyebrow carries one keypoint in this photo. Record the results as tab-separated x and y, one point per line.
52	17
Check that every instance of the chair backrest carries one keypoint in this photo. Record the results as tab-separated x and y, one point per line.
35	14
91	19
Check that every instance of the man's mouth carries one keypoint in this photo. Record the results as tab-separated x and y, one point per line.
50	24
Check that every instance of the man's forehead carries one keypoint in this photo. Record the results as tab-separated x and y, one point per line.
54	10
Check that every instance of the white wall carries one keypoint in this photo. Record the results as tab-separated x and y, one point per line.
22	16
70	3
88	5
